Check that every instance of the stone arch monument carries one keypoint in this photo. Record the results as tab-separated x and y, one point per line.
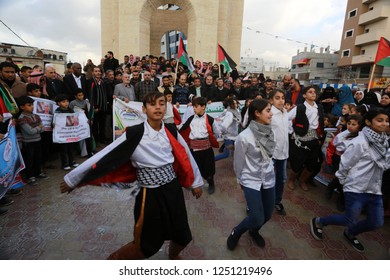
136	26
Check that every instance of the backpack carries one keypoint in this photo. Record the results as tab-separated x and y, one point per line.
301	122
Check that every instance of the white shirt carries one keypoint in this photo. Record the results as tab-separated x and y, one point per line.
280	127
252	171
311	113
198	127
77	80
229	126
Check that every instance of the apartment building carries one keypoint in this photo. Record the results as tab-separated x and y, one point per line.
365	22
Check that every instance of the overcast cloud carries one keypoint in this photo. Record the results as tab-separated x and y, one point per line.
73	26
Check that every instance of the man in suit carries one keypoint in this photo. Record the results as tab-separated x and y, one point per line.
197	89
52	86
74	81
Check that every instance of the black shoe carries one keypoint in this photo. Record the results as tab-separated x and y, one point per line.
32	181
280	209
354	242
232	240
5	201
220	150
3	211
211	189
259	240
14	192
315	230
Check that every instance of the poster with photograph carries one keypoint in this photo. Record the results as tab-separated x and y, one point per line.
69	128
45	108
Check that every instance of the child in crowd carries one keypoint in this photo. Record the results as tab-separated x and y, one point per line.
172	115
229	127
79	104
280	127
66	149
334	151
157	157
31	128
288	105
33	90
345	111
307	139
360	172
198	131
254	169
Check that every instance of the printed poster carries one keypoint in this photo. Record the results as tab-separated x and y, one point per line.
45	108
70	127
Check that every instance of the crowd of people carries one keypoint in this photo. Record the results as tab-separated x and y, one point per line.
279	124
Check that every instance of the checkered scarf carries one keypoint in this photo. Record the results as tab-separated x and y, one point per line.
379	145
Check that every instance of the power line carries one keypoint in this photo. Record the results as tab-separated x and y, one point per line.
288	39
17	35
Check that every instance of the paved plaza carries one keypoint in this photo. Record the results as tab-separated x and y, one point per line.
91	222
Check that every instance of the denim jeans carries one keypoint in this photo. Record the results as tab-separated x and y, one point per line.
354	204
280	178
261	205
226	151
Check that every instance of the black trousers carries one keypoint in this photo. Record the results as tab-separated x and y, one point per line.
98	126
32	152
66	154
165	217
205	161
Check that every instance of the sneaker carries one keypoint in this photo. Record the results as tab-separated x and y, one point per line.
42	176
5	201
280	209
259	240
75	164
67	167
316	231
32	181
354	242
232	240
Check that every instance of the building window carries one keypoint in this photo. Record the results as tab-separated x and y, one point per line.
349	33
320	65
346	53
366	30
352	13
363	52
371	8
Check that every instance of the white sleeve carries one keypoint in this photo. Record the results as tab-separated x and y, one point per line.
198	180
292	114
227	121
240	148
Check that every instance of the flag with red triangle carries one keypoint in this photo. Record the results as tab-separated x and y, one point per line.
383	54
225	59
183	57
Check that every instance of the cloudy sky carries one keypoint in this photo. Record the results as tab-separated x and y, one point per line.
272	30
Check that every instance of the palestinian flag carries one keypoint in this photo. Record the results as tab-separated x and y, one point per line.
183	57
225	60
383	53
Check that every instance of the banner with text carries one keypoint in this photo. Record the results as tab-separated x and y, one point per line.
11	161
130	113
71	127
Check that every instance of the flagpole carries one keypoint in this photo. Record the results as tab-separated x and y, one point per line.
372	76
219	70
177	69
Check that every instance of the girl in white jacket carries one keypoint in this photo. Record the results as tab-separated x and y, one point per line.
255	172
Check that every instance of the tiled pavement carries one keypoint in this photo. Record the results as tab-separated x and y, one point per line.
91	222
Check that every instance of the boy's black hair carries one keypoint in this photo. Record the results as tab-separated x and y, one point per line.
31	87
25	68
151	97
77	91
274	91
288	102
167	91
61	97
23	100
199	100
